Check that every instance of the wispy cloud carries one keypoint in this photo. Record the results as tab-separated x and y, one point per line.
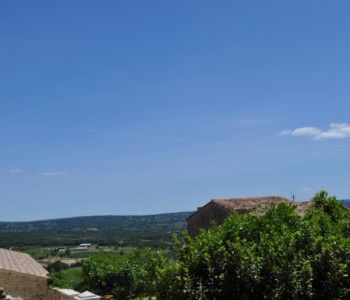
16	171
53	173
334	131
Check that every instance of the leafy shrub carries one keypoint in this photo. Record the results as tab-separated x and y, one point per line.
71	278
279	255
57	266
123	276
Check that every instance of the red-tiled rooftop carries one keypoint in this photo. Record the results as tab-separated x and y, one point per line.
237	204
245	203
20	263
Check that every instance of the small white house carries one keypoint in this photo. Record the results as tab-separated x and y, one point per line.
81	247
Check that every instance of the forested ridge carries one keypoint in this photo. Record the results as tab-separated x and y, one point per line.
146	230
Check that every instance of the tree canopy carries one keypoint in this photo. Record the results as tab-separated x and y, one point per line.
277	255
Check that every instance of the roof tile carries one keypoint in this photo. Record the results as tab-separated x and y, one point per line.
238	204
21	263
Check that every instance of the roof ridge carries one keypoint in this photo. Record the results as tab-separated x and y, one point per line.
18	252
237	204
250	198
243	203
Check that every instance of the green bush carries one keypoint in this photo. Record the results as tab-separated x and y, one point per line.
123	276
71	278
278	255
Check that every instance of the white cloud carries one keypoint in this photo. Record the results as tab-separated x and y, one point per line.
285	132
53	173
16	171
335	131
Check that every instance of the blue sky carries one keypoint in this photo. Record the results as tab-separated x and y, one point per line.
139	107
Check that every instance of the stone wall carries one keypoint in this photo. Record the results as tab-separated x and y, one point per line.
205	217
58	294
68	294
26	286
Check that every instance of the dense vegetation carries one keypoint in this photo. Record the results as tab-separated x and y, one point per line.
124	276
277	255
139	231
69	278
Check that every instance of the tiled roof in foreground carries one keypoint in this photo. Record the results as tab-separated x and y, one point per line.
21	263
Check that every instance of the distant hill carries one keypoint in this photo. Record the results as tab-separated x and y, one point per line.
171	220
346	203
147	230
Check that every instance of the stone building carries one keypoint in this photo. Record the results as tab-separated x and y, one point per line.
217	210
22	276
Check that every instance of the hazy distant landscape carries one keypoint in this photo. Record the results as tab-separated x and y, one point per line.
138	231
346	203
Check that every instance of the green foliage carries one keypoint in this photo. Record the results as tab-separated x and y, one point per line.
71	278
278	255
36	253
57	266
123	276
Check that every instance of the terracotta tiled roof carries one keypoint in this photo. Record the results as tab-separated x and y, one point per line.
21	263
238	204
244	203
